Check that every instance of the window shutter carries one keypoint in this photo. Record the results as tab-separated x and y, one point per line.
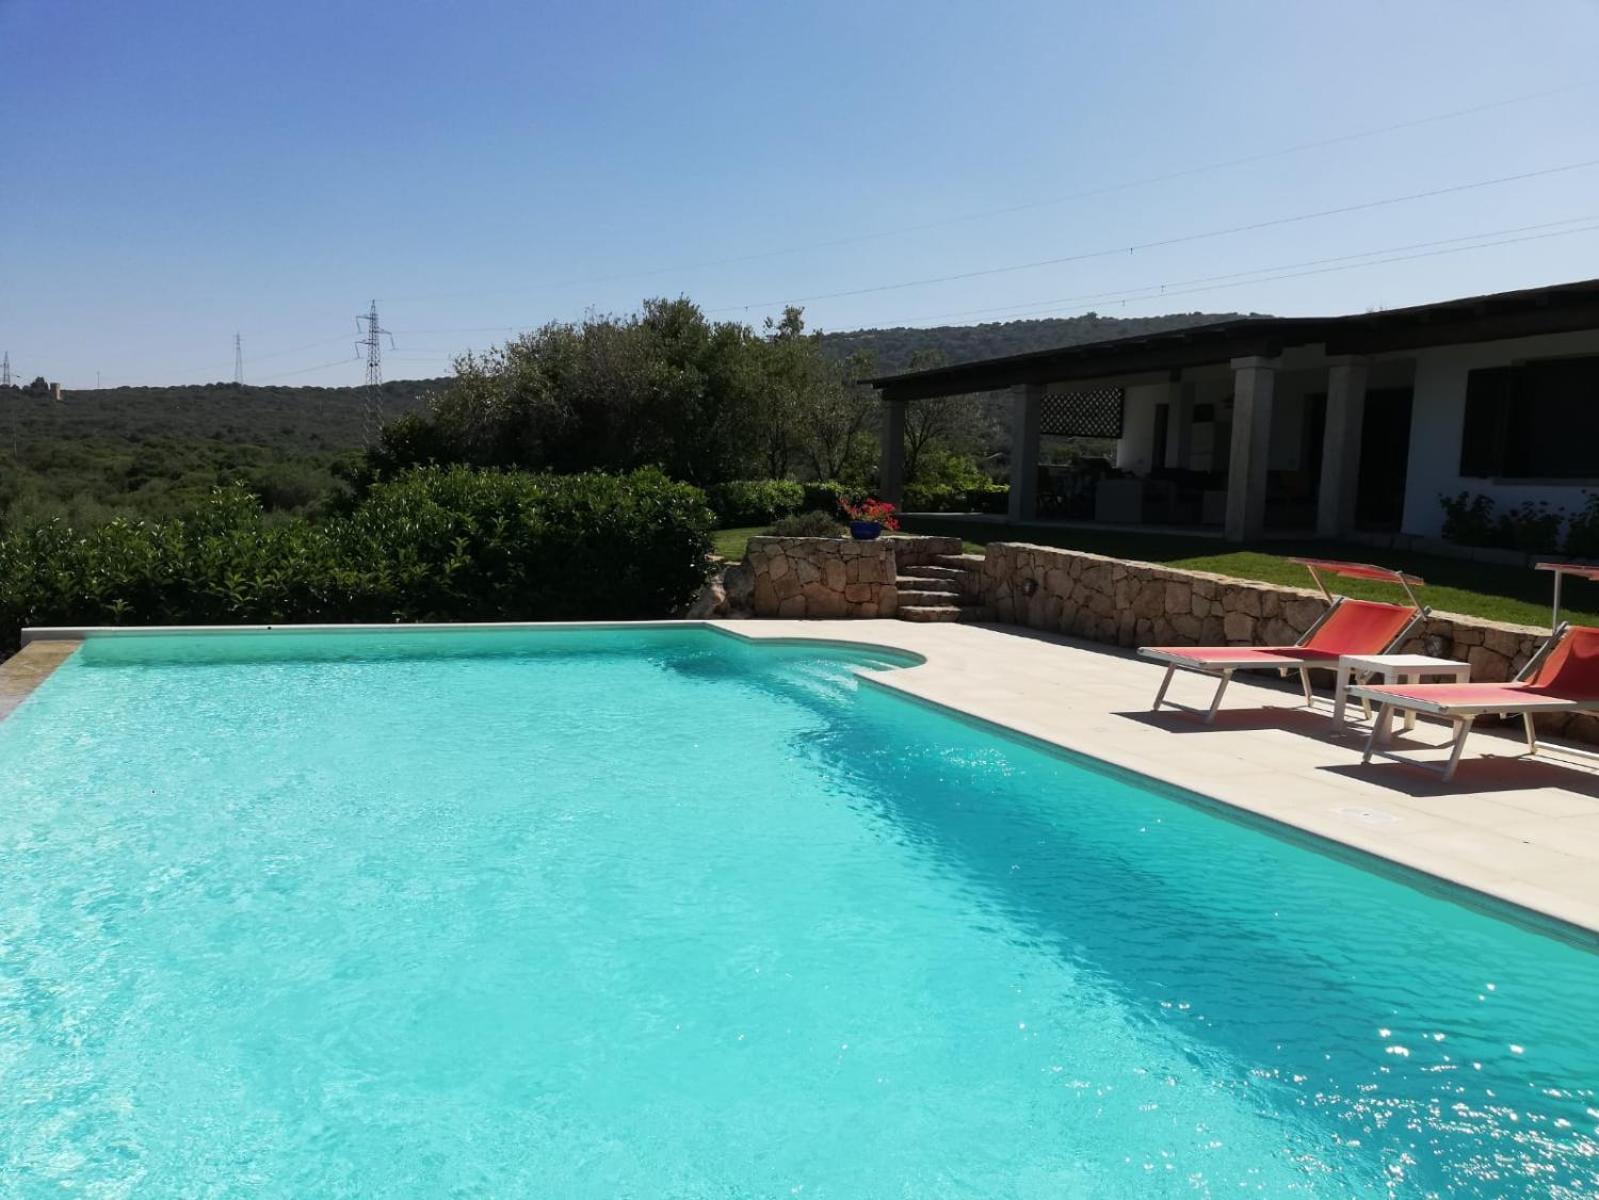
1482	443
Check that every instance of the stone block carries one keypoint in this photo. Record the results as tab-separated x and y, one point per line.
1185	628
1238	627
1241	600
1274	631
1302	614
792	606
1488	666
1179	597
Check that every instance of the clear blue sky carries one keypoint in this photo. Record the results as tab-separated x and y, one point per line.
174	171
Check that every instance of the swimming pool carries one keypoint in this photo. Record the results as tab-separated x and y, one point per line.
656	912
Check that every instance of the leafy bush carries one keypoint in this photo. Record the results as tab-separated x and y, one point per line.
939	497
754	501
1471	520
1468	519
1582	534
428	545
826	496
808	524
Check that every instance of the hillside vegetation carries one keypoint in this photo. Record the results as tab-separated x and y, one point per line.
781	400
898	348
154	451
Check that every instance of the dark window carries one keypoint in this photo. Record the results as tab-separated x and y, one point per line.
1534	420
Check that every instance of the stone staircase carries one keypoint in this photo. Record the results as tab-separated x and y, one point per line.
946	588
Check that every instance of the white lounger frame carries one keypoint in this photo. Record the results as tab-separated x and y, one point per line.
1461	716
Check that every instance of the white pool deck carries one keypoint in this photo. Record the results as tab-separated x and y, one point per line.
1519	830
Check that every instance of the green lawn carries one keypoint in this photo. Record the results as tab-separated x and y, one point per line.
730	543
1516	594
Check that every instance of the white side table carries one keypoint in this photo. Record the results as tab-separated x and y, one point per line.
1393	668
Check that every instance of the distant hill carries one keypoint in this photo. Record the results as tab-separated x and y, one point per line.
280	418
152	451
894	347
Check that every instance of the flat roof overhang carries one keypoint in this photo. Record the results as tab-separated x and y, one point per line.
1562	308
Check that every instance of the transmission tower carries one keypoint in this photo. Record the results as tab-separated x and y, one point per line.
5	370
238	360
372	341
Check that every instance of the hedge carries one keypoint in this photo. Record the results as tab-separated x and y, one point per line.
430	544
742	502
938	497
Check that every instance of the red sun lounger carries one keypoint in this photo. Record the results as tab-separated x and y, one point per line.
1347	627
1562	677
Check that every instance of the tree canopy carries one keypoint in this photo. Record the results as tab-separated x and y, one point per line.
665	387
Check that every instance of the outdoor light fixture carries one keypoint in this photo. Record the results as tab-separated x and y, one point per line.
1029	586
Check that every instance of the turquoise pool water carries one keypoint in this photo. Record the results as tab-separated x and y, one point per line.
660	914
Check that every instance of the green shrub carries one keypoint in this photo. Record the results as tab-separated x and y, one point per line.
824	496
754	501
940	497
1582	534
1532	527
808	524
428	545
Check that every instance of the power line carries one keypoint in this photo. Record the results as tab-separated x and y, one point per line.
338	362
1053	201
1156	291
1162	243
1328	270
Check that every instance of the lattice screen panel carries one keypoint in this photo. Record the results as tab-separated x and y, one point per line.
1095	413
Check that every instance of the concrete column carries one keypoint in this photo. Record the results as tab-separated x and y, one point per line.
891	466
1340	446
1027	406
1254	381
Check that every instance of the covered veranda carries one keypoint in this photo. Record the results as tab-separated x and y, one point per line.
1237	428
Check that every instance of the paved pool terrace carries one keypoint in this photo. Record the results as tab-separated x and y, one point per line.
1518	831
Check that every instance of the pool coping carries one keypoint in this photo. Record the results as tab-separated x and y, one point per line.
939	680
23	672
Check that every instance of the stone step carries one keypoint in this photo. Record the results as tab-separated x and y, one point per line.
923	596
929	612
927	583
976	612
932	572
967	562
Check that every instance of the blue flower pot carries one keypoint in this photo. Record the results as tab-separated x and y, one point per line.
864	531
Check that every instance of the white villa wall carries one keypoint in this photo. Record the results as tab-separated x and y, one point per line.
1437	418
1135	450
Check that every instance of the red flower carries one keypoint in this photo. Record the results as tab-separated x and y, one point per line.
880	512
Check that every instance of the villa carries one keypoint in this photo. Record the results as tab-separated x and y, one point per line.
1351	425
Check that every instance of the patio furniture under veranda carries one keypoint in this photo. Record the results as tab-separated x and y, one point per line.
1347	627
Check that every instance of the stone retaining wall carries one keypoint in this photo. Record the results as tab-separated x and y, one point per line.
822	577
1142	604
